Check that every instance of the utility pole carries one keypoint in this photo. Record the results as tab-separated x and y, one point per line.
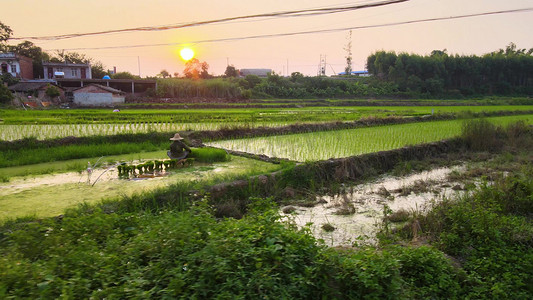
348	48
227	61
288	74
139	65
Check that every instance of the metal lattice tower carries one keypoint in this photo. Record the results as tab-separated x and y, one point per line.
322	66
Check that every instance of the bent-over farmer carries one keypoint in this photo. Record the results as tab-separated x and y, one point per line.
178	149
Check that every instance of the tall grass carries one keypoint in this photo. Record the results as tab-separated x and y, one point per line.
187	89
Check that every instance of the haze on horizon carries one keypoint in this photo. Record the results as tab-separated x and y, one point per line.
476	35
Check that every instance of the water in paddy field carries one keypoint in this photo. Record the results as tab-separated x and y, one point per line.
367	202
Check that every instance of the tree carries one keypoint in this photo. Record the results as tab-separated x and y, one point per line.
98	70
164	74
252	80
296	76
72	57
5	95
52	91
8	78
194	69
5	34
37	55
231	71
124	75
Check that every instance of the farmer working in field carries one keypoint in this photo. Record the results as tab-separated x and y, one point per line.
178	149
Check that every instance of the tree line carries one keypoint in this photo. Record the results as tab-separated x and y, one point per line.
507	71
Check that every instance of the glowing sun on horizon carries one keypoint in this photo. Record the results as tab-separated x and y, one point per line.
186	54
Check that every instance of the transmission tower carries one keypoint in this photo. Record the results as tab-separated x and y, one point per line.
322	66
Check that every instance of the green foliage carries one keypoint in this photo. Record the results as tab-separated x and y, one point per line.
189	254
427	273
124	75
187	88
52	91
209	155
503	72
5	33
252	80
30	151
34	52
5	94
97	70
491	234
482	135
231	71
8	79
349	142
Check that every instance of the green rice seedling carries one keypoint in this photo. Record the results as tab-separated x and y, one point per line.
209	155
343	143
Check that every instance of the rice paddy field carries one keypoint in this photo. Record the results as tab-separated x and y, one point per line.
50	131
343	143
69	221
17	124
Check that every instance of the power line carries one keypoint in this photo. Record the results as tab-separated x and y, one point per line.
310	31
293	13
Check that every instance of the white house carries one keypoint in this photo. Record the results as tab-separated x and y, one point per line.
66	70
98	95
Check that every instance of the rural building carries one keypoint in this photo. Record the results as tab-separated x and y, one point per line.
66	70
356	73
17	65
98	95
256	72
129	86
33	93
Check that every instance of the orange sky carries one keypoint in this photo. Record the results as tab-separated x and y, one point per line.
476	35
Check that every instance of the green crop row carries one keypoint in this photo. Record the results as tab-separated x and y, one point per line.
60	123
343	143
241	115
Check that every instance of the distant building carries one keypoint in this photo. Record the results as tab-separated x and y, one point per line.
17	65
66	70
256	72
35	92
356	73
98	95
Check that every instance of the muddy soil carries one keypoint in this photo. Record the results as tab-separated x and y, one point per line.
356	215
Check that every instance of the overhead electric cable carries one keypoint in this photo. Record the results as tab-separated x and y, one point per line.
293	13
310	31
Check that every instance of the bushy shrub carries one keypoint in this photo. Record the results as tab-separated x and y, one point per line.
5	94
482	135
490	232
52	91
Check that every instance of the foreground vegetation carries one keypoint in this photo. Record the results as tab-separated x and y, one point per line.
191	254
165	244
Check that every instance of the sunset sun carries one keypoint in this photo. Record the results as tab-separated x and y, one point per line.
186	53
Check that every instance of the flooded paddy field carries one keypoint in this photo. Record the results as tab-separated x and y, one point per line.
50	195
356	214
